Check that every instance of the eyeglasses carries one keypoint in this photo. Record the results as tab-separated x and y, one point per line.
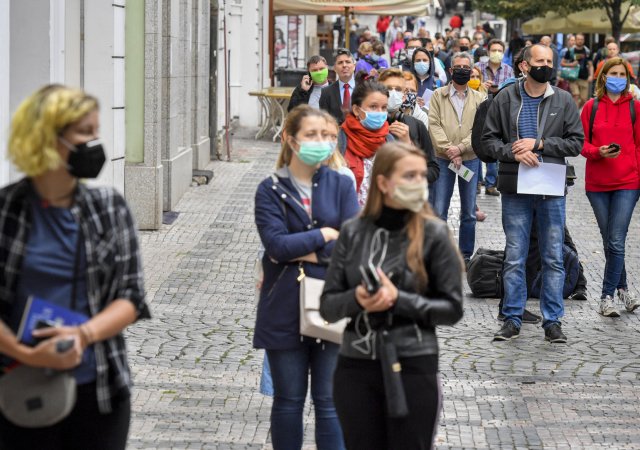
461	67
343	51
397	89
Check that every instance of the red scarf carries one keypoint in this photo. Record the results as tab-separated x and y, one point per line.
361	143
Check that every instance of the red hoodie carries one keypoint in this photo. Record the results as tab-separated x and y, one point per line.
612	124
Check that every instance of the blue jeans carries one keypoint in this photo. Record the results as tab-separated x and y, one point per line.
517	217
290	372
442	199
613	210
491	177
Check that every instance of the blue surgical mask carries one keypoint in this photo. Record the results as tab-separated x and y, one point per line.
313	153
615	85
374	120
422	68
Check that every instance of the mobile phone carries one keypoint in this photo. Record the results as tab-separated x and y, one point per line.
370	278
614	148
41	324
64	345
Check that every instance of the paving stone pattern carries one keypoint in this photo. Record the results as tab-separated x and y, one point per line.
197	375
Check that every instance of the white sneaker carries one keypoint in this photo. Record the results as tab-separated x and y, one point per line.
607	307
631	303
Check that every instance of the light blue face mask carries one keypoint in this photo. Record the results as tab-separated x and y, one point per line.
374	120
615	85
374	57
313	153
422	68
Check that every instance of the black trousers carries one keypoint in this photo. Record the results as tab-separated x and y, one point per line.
85	428
358	394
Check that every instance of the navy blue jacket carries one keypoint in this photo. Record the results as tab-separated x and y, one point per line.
287	232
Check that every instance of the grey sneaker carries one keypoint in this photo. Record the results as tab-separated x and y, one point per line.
607	307
631	303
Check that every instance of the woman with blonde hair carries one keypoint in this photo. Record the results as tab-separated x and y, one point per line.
397	274
369	61
66	246
476	82
298	212
612	179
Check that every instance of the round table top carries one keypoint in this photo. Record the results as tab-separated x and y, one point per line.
283	93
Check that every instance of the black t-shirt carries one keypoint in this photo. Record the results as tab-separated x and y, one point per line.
583	56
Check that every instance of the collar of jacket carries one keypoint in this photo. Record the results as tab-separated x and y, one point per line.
547	93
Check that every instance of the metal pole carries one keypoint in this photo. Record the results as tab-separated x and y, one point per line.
271	44
347	27
227	106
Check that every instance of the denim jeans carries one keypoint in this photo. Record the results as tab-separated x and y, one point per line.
517	217
442	199
613	210
491	176
290	372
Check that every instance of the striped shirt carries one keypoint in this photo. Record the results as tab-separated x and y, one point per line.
113	269
501	75
528	119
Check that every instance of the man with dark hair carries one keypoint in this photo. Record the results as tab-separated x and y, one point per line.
310	88
494	71
336	98
531	124
579	56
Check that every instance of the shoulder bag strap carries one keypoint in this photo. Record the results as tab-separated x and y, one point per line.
592	117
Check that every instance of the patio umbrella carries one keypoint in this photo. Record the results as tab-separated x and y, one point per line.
552	22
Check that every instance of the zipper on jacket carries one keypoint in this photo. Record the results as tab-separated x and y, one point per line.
275	283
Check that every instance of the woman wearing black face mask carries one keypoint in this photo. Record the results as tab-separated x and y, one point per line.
73	249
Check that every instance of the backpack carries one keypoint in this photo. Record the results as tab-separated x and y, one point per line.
484	273
571	274
592	118
476	131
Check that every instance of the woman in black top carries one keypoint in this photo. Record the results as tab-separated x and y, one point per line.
386	387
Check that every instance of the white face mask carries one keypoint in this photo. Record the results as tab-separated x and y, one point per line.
395	100
411	196
484	59
410	52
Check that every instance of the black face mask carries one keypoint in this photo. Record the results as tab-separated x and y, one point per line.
464	48
86	159
461	76
541	74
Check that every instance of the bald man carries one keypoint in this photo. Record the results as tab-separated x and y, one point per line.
546	41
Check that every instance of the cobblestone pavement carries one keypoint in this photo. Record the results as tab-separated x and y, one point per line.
197	375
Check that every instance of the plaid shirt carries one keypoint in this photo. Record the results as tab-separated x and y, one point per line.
114	269
503	73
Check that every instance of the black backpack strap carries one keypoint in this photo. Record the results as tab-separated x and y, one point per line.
632	107
592	118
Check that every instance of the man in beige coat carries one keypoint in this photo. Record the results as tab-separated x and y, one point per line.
452	110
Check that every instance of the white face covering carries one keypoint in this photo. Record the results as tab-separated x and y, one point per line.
411	196
395	100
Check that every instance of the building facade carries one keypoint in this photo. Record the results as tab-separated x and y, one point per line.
147	61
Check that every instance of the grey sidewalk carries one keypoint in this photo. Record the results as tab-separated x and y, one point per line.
197	375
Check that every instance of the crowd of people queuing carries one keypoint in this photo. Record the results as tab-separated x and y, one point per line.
408	117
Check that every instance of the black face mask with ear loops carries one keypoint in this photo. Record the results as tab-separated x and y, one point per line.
86	159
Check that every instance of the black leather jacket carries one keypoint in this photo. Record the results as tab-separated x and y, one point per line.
412	321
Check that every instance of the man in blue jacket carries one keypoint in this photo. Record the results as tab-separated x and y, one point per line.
529	122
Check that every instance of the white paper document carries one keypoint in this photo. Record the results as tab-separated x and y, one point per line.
463	172
546	179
